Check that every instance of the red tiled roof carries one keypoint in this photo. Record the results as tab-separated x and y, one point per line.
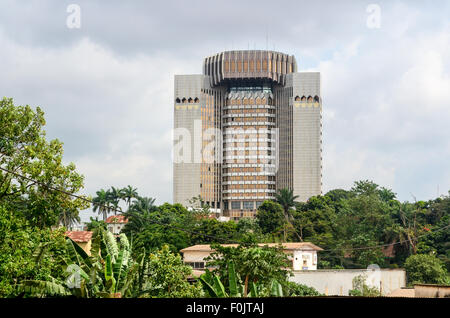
80	236
286	246
117	219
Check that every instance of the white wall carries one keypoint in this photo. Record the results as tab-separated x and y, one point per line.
339	282
304	260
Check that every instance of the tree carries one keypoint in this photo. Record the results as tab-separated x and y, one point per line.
106	273
143	204
286	198
214	287
150	227
425	269
34	168
365	187
114	195
100	203
22	247
167	276
129	193
212	230
252	263
68	217
270	217
95	223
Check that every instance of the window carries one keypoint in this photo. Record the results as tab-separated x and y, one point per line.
196	265
248	205
235	205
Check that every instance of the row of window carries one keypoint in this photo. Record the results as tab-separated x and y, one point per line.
249	186
249	119
248	101
243	205
249	111
266	161
257	65
249	178
189	100
196	265
308	99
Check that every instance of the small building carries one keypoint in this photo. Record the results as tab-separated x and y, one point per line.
115	223
303	255
431	291
82	238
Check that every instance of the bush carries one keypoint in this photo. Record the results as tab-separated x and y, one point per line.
293	289
425	269
360	288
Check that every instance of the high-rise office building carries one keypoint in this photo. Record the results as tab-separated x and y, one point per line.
248	126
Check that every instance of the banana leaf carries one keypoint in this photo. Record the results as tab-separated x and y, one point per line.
232	279
219	288
276	289
207	286
253	289
42	288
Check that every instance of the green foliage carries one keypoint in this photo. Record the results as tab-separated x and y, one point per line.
152	227
214	287
27	252
426	269
360	288
252	264
95	223
167	276
25	150
270	217
286	198
293	289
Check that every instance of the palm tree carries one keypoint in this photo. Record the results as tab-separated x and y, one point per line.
286	198
114	196
143	204
68	217
100	203
129	193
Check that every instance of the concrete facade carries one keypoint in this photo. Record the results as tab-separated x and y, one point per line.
267	119
339	282
187	135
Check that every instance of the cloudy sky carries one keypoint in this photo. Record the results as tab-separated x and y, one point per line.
107	87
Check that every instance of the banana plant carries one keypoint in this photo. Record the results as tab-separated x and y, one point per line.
107	272
214	287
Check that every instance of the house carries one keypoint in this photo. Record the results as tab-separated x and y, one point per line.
115	223
303	255
82	238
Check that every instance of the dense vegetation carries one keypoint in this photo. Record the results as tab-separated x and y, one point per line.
40	197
